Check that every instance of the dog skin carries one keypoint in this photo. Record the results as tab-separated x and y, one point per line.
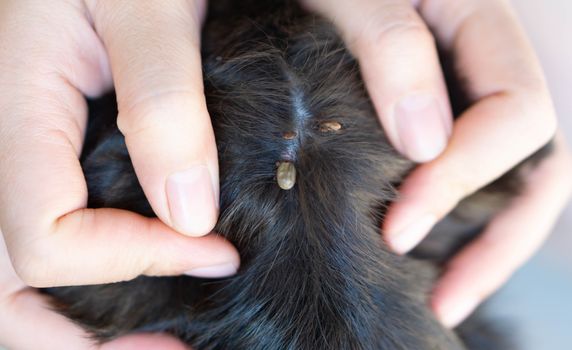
306	176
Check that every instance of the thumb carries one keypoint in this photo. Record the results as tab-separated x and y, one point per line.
400	66
154	54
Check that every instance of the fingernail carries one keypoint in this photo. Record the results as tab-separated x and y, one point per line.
222	270
421	126
192	201
408	238
452	315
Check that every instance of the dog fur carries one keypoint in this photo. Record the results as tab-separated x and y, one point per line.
315	272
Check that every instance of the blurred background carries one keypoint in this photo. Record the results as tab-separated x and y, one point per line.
538	299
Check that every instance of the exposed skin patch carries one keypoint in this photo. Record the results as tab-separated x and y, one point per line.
299	108
286	175
300	115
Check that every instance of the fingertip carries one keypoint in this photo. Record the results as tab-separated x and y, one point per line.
162	109
406	239
214	271
218	259
451	311
176	163
210	256
456	295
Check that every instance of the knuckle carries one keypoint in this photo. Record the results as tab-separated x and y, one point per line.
400	30
154	111
454	183
529	81
539	117
459	188
533	116
544	130
33	266
175	263
551	130
27	276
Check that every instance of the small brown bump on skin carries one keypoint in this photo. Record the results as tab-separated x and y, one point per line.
289	135
330	126
286	175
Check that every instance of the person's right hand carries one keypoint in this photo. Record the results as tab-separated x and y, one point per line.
511	116
53	53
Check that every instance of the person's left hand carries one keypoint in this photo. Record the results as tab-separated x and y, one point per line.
27	321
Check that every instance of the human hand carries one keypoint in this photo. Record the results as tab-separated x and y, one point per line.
27	320
510	118
52	54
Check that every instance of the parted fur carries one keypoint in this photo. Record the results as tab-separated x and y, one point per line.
315	273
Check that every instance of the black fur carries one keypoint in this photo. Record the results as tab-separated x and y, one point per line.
315	272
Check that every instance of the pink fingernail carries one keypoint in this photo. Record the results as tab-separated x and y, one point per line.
402	242
422	127
215	271
192	201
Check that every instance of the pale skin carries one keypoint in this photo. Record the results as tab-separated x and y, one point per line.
53	53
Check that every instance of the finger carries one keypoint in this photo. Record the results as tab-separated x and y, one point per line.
28	320
508	241
154	53
24	313
52	239
107	245
512	118
400	66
